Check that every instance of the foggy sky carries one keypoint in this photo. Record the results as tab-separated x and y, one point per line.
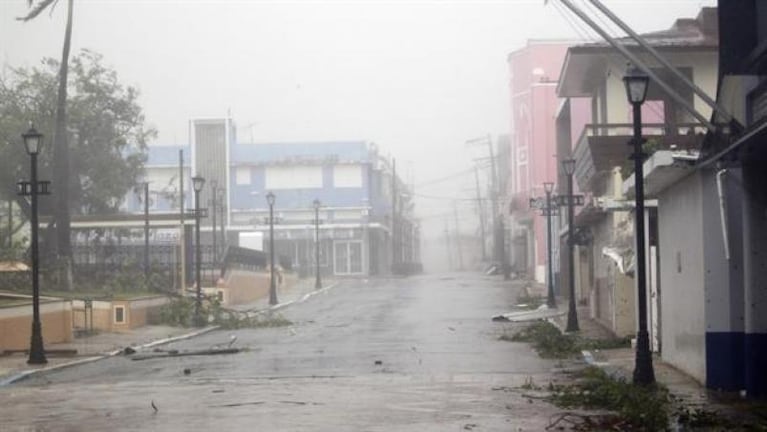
417	78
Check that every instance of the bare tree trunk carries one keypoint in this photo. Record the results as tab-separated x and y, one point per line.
61	165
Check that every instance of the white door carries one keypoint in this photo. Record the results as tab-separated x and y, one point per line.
347	257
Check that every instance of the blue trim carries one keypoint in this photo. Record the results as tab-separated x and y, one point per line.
724	360
755	352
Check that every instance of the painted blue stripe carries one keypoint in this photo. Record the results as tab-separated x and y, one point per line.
755	352
724	361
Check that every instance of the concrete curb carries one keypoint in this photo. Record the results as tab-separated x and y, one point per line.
286	304
14	378
303	298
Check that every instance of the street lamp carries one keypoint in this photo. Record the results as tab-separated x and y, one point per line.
551	302
213	199
272	283
197	184
568	166
32	142
317	282
146	234
636	90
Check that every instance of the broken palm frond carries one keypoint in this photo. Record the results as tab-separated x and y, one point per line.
586	422
550	342
173	353
639	407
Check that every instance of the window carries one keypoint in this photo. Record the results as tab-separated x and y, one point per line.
293	177
242	175
119	314
347	176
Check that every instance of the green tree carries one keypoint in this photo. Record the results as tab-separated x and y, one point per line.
105	127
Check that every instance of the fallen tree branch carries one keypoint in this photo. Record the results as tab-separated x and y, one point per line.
185	353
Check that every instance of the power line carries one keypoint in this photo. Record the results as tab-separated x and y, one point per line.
445	178
435	197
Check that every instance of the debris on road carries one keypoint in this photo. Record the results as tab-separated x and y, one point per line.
186	353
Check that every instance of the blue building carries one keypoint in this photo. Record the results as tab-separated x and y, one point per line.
363	229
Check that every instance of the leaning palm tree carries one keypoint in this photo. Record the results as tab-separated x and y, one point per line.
63	246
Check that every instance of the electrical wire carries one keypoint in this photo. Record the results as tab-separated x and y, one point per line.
436	197
583	31
445	178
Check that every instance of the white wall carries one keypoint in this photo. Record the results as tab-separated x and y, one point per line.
703	65
681	236
347	176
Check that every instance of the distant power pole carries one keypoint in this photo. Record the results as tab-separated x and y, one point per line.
394	225
457	236
447	247
497	242
481	211
182	243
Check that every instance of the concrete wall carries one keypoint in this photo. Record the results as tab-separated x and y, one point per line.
681	244
16	324
243	287
533	74
724	281
137	313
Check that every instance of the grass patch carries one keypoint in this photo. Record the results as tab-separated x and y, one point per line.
645	408
549	342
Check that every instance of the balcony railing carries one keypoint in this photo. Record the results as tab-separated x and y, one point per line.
601	147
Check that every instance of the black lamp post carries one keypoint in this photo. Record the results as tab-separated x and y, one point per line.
272	282
636	89
213	199
197	183
32	142
317	282
551	302
568	166
146	234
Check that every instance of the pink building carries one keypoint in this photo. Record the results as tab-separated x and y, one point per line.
534	73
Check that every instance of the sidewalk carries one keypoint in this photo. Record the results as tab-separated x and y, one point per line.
95	347
297	293
620	362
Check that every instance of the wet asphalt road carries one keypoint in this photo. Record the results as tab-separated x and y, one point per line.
415	354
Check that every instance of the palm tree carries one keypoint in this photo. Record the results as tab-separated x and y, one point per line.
63	246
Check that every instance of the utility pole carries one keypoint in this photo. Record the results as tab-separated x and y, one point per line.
222	209
182	236
457	236
10	223
480	210
447	247
146	234
394	224
213	199
497	241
